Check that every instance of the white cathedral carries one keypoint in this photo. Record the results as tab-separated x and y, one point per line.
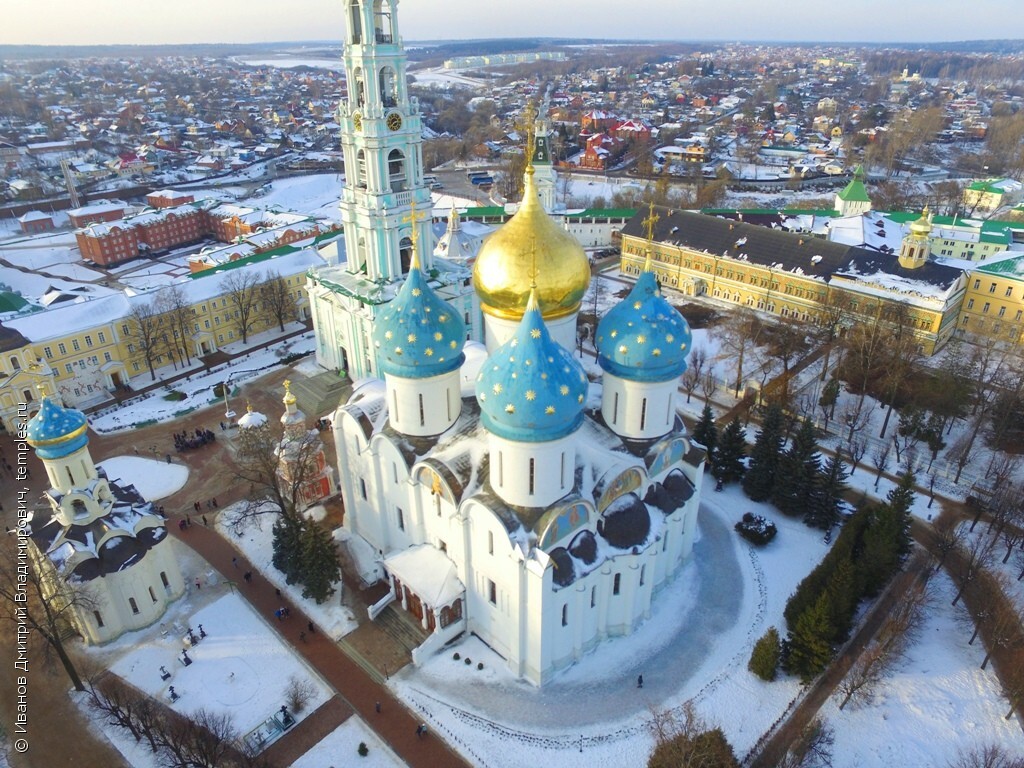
505	493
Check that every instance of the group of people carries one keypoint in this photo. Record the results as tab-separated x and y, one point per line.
187	441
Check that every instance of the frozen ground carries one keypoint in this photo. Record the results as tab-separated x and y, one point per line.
315	195
255	542
153	479
241	668
937	702
340	748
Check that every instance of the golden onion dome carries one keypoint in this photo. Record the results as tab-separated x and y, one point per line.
923	226
528	244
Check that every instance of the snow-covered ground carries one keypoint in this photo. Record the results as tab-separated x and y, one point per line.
939	701
315	195
153	479
254	540
198	388
694	647
340	748
241	668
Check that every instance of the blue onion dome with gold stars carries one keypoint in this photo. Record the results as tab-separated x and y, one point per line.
531	389
418	335
55	431
643	337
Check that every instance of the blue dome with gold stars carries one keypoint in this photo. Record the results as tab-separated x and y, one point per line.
531	389
643	337
418	334
55	431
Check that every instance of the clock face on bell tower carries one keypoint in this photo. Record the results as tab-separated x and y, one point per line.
394	121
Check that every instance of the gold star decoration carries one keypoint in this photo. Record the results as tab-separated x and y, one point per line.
416	291
411	338
497	389
656	352
614	334
549	410
535	333
579	398
428	352
438	336
398	350
510	408
670	338
443	319
623	349
531	395
388	335
564	390
641	339
453	343
637	304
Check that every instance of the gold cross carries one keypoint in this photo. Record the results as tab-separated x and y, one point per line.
414	236
41	388
533	266
650	221
530	118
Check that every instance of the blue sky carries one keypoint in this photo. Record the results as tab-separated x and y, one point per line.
192	21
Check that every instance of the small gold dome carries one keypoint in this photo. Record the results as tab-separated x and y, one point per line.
922	227
528	244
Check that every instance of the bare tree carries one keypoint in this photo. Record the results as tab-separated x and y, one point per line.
985	756
709	385
241	288
738	334
277	300
694	370
974	556
856	448
34	596
178	317
812	748
145	334
880	458
888	648
948	536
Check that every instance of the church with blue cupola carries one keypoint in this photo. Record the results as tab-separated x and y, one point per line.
97	536
503	488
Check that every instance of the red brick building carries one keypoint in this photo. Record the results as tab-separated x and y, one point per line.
105	243
92	214
169	198
34	222
602	150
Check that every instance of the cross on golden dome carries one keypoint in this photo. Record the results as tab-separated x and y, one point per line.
530	119
414	236
649	222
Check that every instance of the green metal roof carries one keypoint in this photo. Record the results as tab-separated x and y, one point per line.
1012	267
603	213
258	257
11	302
855	191
985	186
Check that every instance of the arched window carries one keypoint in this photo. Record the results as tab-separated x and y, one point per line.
360	88
383	31
15	363
355	23
396	170
405	253
360	180
388	87
133	604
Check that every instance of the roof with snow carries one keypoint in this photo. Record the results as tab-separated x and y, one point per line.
428	572
810	256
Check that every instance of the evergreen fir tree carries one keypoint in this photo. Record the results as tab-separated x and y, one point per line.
320	567
900	500
759	480
810	647
825	501
881	551
764	661
732	449
844	593
706	433
797	474
287	546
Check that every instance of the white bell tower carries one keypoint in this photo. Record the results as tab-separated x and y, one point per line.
381	137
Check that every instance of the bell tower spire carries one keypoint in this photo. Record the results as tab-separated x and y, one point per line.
383	147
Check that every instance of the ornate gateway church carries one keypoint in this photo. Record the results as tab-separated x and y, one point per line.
503	491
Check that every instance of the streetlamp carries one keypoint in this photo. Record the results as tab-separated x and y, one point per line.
228	413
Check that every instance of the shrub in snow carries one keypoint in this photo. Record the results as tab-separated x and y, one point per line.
298	693
174	395
468	661
480	665
764	661
363	749
456	656
756	529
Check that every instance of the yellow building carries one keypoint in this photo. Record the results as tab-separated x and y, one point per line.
794	276
994	302
84	351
